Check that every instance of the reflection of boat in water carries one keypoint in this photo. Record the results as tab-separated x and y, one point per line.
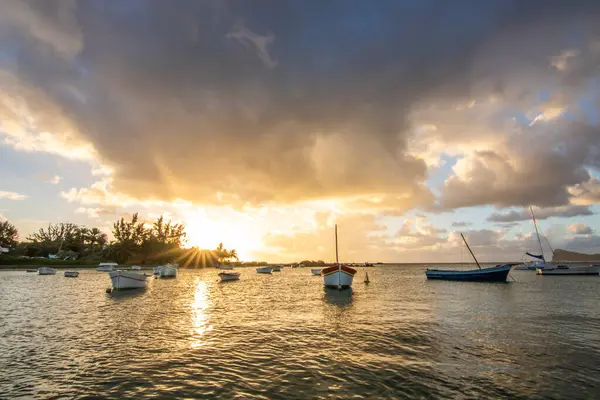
229	276
71	274
122	280
338	297
264	270
316	271
563	270
106	267
46	271
492	274
338	276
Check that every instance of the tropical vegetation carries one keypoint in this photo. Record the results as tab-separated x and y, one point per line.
135	242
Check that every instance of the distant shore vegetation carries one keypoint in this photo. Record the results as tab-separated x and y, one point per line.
136	242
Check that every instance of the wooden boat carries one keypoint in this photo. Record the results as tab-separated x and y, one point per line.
338	276
563	270
229	276
493	274
316	271
122	280
71	274
276	268
168	271
46	271
106	267
264	270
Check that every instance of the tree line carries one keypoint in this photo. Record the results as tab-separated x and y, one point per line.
135	242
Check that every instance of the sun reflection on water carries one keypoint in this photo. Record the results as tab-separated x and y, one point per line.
200	318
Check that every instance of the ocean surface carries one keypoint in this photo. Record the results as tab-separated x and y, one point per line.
283	336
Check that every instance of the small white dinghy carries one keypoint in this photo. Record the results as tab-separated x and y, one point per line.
136	268
264	270
122	280
168	271
106	267
316	271
71	274
229	276
46	271
276	268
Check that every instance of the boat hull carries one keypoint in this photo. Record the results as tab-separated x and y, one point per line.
229	276
167	272
106	267
316	271
71	274
592	270
123	280
46	271
264	270
493	274
276	269
339	278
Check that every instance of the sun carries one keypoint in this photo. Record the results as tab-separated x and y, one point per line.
206	233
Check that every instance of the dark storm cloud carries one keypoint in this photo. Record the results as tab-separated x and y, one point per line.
269	100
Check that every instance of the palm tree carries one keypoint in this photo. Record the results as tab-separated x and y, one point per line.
233	254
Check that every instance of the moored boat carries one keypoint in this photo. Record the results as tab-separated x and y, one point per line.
106	267
338	276
562	270
229	276
122	280
493	274
156	270
316	271
46	271
276	268
225	267
264	270
71	274
498	273
136	268
168	271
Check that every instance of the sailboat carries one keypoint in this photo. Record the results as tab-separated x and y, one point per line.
541	261
338	276
492	274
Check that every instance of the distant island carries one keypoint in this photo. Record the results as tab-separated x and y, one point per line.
565	255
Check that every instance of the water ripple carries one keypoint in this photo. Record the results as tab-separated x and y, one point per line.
285	337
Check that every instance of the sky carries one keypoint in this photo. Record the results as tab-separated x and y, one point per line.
263	124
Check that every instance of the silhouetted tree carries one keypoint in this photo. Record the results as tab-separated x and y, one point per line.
8	234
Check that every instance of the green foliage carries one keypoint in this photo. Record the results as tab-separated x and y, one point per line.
312	263
8	234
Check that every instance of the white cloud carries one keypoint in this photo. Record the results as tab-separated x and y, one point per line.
580	229
12	196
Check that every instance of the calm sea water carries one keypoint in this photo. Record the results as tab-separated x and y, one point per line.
285	337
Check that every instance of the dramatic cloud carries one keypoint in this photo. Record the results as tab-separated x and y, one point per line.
580	229
586	193
291	102
540	214
12	195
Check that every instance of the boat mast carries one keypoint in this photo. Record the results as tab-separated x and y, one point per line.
538	234
337	261
465	240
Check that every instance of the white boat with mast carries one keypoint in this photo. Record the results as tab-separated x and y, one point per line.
338	276
540	262
563	269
